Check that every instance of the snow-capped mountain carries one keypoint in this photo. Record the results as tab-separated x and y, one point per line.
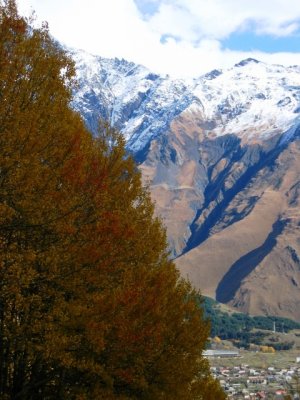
251	99
222	156
139	103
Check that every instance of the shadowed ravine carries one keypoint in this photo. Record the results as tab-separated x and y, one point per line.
200	233
245	265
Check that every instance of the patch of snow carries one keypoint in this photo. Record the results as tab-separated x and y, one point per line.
251	100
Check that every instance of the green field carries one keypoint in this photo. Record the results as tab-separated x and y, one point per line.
258	359
280	359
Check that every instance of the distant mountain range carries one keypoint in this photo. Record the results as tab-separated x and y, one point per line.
221	154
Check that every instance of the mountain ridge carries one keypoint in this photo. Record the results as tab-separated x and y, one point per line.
126	82
220	154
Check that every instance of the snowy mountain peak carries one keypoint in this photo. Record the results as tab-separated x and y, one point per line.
212	74
221	156
252	99
246	62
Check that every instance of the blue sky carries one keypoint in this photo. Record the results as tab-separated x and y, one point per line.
147	7
248	41
178	37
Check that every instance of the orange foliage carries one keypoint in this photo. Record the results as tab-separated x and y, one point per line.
90	304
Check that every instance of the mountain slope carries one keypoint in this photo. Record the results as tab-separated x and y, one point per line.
139	103
221	155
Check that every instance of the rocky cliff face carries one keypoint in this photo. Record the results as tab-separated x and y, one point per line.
244	244
221	155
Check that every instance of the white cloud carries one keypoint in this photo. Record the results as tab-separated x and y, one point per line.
174	21
220	18
193	29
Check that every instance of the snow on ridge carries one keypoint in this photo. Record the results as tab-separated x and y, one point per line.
143	104
290	133
251	94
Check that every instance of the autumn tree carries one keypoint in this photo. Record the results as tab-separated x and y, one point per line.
91	307
38	135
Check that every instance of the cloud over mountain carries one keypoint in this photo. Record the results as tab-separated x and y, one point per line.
178	37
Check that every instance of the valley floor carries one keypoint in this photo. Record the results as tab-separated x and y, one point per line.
257	375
